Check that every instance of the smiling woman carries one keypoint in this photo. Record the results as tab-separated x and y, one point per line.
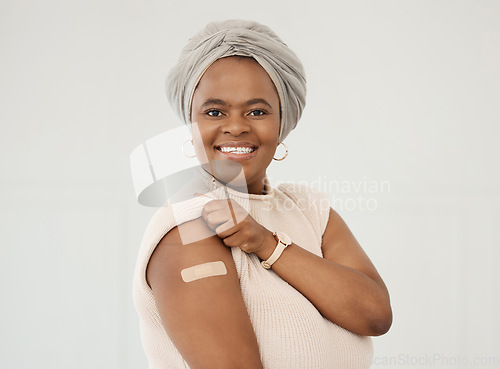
257	277
238	123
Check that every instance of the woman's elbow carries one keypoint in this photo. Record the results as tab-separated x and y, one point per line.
381	322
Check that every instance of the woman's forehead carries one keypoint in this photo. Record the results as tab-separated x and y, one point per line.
236	81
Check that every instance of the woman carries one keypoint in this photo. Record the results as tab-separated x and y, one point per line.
256	277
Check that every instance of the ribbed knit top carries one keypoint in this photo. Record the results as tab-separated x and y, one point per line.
290	331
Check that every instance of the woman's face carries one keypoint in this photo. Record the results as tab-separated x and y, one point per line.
237	110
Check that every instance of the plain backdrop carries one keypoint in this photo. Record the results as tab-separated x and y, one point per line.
401	128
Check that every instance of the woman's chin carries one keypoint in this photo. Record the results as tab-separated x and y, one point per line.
228	171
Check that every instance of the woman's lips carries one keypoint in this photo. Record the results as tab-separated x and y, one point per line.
237	156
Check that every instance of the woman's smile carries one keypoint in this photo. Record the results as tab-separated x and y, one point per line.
236	150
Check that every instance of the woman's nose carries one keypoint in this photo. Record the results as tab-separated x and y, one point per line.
235	126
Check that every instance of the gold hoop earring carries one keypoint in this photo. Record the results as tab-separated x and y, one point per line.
182	149
286	152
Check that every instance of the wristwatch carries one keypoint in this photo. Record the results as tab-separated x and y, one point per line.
283	241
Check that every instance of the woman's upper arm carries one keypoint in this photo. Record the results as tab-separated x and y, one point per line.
340	246
206	318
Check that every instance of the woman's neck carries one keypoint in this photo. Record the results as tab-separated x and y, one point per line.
261	187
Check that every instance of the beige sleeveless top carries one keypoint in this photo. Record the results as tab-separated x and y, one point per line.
290	331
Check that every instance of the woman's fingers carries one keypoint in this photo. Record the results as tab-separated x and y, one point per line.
237	240
233	224
246	239
226	229
218	212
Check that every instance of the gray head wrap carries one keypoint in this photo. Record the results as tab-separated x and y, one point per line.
245	38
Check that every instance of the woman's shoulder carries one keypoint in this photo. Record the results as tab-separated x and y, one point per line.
172	215
162	222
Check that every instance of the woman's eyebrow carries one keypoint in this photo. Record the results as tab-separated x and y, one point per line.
214	102
224	103
258	101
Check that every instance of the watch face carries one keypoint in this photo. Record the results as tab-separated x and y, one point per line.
284	238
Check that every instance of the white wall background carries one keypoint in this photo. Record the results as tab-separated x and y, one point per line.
400	92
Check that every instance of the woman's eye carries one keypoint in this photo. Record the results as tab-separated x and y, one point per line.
214	113
257	113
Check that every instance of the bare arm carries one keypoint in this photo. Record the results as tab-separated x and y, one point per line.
343	285
206	319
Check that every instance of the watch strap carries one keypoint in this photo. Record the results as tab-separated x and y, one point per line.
280	247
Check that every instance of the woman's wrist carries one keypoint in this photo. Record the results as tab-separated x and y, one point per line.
268	245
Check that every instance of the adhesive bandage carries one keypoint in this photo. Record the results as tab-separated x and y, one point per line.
203	271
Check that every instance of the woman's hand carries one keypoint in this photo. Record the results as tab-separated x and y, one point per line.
234	226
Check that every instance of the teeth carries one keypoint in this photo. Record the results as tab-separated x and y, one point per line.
237	150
